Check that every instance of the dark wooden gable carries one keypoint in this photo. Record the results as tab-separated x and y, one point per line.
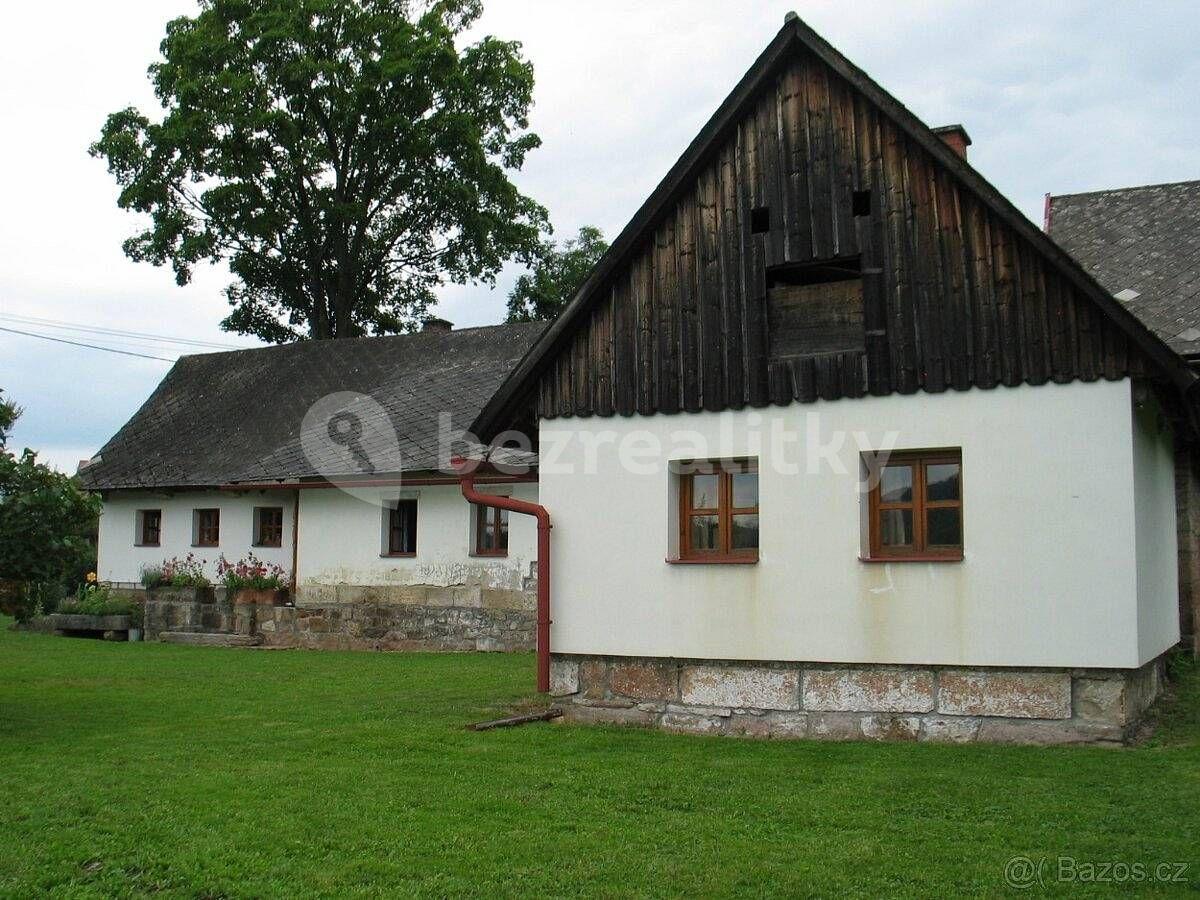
697	306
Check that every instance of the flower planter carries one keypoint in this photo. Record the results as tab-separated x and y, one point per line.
252	597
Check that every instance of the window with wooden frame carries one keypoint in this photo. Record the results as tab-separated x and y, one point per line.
149	529
491	531
916	506
207	527
268	526
718	512
402	528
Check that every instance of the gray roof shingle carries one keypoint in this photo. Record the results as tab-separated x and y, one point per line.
1144	240
224	418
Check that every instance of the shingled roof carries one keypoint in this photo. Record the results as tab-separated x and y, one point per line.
1144	241
225	418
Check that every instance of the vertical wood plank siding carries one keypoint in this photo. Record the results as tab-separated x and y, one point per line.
953	297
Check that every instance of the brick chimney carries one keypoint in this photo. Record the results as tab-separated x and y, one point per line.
955	137
433	323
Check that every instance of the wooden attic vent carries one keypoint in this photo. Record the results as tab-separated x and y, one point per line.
815	308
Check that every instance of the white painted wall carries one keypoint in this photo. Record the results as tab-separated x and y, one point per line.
341	539
120	560
1050	576
1157	537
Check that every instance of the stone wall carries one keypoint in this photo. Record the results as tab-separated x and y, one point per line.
185	609
357	617
388	626
844	702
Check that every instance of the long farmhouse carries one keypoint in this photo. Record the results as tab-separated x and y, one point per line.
834	442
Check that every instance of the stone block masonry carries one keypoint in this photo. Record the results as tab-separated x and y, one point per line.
356	617
857	702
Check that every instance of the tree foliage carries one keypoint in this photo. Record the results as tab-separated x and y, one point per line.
556	276
344	157
46	522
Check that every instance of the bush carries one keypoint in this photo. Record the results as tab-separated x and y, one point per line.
27	600
251	573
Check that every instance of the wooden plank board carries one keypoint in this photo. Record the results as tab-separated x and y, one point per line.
711	312
732	305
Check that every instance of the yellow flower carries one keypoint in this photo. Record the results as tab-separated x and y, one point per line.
91	576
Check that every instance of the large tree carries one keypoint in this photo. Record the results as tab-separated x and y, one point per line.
46	524
555	277
345	157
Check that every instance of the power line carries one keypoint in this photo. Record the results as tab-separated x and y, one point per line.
46	337
116	332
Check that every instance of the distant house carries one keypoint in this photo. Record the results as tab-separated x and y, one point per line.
233	455
838	444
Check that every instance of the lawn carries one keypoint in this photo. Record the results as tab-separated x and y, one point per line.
137	768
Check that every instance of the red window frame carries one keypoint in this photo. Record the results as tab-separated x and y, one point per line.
490	521
208	527
724	511
920	505
268	526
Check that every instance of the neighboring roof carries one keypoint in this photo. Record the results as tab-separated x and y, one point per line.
223	418
504	405
1144	240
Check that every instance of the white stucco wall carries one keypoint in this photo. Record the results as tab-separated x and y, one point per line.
120	560
341	539
1157	537
1050	575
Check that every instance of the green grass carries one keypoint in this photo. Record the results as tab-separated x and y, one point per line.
136	768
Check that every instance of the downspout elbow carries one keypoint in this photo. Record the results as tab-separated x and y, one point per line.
466	475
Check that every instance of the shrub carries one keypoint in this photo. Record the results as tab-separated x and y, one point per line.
251	573
27	600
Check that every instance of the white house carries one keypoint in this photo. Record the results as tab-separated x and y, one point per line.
834	442
837	444
239	453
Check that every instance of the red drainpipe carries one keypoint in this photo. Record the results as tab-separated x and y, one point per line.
466	476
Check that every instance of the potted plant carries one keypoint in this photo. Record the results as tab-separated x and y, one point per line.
255	587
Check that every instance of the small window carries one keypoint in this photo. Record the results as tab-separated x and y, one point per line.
149	528
916	506
860	204
268	526
760	220
207	527
402	528
718	512
491	531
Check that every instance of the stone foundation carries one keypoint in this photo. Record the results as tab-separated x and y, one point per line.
383	626
858	702
357	617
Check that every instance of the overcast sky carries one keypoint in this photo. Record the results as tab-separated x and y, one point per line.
1060	97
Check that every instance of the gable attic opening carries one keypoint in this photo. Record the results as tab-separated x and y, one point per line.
815	308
